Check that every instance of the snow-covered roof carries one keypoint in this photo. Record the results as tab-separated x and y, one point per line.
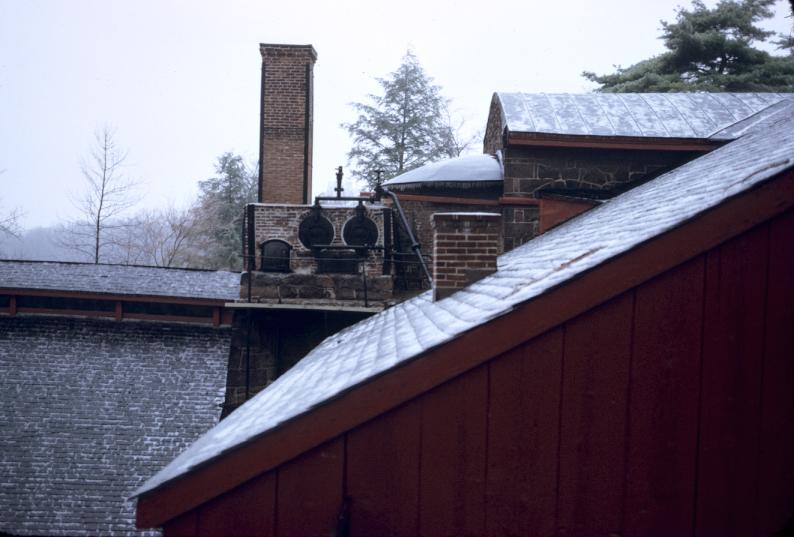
120	279
384	341
654	115
466	169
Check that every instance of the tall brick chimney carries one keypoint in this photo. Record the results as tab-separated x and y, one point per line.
465	247
286	117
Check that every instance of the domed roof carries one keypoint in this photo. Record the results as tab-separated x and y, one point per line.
466	169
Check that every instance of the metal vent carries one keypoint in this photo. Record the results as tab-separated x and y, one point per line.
315	229
360	230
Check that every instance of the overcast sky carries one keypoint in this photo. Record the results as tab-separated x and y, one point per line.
179	80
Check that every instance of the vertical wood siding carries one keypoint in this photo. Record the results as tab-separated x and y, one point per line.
666	411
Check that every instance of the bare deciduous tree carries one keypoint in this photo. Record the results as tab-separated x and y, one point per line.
459	139
159	238
9	223
108	194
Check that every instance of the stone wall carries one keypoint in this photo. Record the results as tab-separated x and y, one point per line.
528	169
277	340
287	116
298	288
494	129
520	222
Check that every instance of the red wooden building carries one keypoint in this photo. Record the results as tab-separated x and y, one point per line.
629	372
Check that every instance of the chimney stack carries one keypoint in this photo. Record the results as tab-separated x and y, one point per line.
286	117
465	247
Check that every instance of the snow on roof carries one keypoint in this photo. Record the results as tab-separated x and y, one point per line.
466	169
402	332
654	115
120	279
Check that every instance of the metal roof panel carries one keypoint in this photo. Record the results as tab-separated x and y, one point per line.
653	115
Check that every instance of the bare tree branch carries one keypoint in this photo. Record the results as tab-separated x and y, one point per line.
9	222
107	195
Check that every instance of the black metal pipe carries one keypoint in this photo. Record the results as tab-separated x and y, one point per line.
307	131
364	283
248	341
415	246
261	171
379	192
342	198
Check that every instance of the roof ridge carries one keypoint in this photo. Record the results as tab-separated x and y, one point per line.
89	264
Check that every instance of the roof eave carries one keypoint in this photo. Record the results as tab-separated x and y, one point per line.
98	295
471	349
534	139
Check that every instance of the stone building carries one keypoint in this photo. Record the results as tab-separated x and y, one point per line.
628	372
106	373
316	266
561	154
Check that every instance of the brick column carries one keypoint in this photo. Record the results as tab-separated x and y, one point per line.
465	247
287	114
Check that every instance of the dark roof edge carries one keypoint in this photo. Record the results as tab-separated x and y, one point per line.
590	141
410	379
100	295
86	264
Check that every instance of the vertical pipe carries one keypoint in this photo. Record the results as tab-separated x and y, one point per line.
250	260
248	341
261	134
415	246
387	247
307	128
364	282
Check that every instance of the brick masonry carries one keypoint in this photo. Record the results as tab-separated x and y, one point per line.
276	221
91	409
465	247
520	222
287	118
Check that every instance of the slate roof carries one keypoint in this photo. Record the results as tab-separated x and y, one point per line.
120	279
655	115
406	330
90	408
468	168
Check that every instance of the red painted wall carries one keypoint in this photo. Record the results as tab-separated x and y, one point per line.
667	411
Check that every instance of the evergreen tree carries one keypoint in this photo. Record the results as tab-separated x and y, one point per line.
402	128
218	214
710	50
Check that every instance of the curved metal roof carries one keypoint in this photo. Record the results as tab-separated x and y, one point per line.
466	169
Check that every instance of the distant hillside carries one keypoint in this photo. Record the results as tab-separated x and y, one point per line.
37	244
